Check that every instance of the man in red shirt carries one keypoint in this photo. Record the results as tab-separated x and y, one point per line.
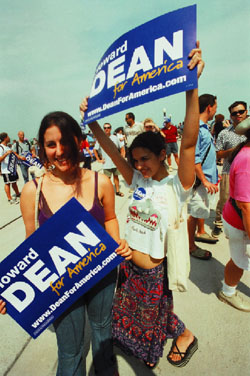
170	132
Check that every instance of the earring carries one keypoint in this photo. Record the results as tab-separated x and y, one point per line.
51	167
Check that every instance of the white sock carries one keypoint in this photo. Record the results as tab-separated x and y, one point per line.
228	290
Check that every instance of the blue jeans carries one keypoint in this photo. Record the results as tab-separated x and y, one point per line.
25	173
69	329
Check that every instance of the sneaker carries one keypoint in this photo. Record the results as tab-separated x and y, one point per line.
14	201
237	301
216	232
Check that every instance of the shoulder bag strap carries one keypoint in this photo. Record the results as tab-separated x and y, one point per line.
237	209
38	190
17	147
206	154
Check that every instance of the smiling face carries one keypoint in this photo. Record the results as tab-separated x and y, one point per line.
56	152
148	163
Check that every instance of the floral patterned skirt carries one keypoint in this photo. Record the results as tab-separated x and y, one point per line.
143	315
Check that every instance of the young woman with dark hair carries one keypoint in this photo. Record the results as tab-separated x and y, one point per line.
59	141
143	315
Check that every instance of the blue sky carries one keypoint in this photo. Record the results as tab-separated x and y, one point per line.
50	48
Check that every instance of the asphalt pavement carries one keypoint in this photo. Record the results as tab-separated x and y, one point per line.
222	331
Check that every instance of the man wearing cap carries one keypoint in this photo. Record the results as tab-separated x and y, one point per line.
236	220
171	134
226	142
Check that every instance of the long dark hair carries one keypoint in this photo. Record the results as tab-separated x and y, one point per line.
239	147
71	135
148	140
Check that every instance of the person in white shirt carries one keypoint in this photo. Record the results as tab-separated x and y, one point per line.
10	179
109	168
143	316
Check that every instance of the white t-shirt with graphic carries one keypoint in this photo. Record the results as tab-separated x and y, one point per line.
152	209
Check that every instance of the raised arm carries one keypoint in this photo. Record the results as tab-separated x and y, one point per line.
109	147
186	169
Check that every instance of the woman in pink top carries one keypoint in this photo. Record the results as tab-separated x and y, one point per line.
236	220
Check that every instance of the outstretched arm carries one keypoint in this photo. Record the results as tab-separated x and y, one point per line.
109	147
186	169
106	190
2	307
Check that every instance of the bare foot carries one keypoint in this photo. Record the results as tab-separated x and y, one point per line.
150	365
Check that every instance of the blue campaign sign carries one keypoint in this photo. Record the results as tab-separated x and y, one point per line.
32	161
147	63
12	163
55	266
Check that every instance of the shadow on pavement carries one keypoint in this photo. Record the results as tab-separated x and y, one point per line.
207	276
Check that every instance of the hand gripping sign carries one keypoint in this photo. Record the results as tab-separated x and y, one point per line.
147	63
32	161
55	266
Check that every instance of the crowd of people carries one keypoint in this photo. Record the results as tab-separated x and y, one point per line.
138	315
13	155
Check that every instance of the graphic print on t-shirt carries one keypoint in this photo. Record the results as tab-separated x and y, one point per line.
143	213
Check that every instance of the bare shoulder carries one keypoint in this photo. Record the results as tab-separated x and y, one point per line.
104	183
29	189
27	202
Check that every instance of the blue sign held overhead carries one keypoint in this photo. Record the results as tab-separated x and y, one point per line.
147	63
55	266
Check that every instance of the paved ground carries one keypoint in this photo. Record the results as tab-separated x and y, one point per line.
222	331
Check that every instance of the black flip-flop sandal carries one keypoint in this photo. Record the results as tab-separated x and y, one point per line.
185	356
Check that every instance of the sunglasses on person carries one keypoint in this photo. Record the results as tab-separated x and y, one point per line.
107	127
241	112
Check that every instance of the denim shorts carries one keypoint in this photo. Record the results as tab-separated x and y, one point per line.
171	148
